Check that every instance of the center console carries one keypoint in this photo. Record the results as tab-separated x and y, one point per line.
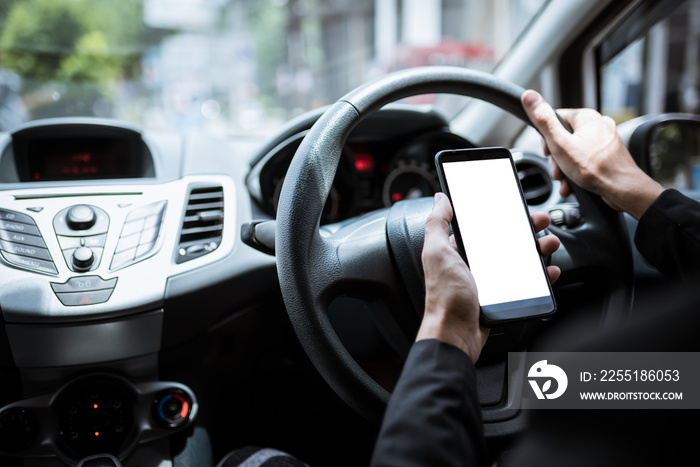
94	219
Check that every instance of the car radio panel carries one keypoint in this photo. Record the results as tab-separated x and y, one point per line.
94	249
81	231
88	227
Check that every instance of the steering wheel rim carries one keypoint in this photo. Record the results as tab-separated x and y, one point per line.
309	266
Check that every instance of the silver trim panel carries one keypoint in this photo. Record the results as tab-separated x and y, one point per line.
26	295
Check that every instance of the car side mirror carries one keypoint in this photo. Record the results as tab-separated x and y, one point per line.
667	147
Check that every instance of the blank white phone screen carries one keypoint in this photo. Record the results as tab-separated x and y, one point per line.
496	231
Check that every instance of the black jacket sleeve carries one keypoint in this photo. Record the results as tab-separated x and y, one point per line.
668	236
433	418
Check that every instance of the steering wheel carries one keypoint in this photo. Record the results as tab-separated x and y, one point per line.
376	257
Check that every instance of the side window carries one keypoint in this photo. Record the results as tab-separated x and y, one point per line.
674	155
651	63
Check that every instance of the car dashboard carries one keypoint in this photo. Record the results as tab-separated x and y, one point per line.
121	248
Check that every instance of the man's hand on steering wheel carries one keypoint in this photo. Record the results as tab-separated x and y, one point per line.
593	156
451	299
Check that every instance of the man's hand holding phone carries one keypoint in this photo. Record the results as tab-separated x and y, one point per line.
494	233
451	301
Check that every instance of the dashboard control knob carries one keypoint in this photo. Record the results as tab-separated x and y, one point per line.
81	217
172	409
83	258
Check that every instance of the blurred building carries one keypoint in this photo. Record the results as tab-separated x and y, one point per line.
242	66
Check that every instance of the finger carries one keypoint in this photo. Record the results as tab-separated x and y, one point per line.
545	148
557	174
549	244
437	227
553	272
564	189
543	117
540	220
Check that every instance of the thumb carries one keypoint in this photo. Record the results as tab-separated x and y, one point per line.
544	118
438	224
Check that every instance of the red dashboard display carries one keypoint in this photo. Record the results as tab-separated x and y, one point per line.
364	162
56	159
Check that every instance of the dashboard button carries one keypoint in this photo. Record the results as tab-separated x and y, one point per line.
127	243
149	236
89	297
24	239
144	249
69	242
172	408
11	226
81	217
25	250
95	240
154	209
82	258
132	227
76	221
69	255
31	263
139	234
84	284
76	242
152	221
123	259
12	216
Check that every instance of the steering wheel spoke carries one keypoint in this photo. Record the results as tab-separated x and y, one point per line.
363	268
362	255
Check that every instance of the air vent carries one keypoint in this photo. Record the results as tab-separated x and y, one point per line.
203	225
536	182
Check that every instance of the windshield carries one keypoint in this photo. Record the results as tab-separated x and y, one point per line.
232	66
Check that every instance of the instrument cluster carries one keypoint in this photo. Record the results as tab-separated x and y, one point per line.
375	170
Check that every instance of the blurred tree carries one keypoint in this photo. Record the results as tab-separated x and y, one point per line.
72	40
71	54
5	6
267	21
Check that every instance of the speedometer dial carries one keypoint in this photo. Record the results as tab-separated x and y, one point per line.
409	180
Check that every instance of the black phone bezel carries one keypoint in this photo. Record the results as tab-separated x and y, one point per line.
488	317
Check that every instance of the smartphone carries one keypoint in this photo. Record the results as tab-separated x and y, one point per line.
495	235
